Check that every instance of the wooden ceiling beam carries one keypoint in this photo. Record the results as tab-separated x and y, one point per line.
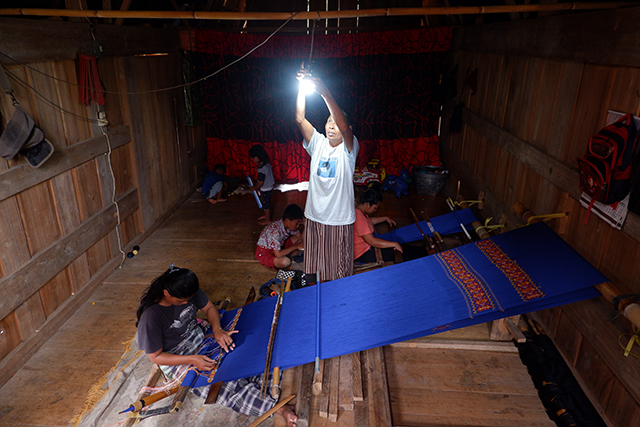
363	13
124	8
106	5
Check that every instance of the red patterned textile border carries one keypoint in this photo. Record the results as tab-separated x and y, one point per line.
477	293
518	278
436	39
290	162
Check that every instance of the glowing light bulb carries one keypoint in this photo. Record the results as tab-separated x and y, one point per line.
307	86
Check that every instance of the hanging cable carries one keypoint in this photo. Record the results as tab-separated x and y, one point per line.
167	88
47	100
313	36
113	193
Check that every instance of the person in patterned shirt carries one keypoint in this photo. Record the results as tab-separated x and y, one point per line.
273	250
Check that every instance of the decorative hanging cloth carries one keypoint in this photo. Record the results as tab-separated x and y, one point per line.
90	85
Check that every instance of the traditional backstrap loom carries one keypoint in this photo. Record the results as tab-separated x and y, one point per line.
516	272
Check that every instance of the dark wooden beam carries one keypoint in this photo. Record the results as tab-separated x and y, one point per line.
106	5
584	37
123	7
30	40
20	285
27	348
76	5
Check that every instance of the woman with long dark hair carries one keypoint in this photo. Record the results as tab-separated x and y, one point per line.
167	327
170	334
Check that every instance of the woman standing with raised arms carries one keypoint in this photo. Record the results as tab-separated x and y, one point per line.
330	201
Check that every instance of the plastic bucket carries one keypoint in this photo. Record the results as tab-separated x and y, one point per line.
430	180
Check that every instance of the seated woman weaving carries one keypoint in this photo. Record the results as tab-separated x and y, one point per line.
170	334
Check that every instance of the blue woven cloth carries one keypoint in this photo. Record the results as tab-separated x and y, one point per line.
443	224
516	272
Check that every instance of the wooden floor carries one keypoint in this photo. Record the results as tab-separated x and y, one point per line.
457	378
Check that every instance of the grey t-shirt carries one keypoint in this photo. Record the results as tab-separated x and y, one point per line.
164	328
265	174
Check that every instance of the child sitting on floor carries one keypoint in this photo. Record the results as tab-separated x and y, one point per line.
364	241
214	184
283	232
265	181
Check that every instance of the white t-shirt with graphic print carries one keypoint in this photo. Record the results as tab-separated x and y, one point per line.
330	200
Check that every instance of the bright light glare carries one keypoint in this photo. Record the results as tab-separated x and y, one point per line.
307	86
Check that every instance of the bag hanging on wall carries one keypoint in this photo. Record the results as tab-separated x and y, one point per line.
605	170
21	134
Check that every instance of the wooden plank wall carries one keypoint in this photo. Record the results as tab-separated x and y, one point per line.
59	231
539	98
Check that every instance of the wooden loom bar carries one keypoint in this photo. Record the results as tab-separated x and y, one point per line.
339	14
477	225
629	309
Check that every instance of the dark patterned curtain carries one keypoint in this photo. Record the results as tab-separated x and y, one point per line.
384	82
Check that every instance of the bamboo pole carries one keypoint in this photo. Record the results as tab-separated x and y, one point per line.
338	14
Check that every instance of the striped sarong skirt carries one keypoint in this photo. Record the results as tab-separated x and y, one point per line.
328	249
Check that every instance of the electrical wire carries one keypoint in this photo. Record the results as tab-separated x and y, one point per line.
113	195
47	100
167	88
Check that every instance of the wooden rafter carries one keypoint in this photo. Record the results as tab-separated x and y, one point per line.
106	5
124	8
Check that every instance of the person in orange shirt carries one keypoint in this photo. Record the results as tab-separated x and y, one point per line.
364	241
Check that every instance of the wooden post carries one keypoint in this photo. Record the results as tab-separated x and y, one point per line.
356	370
334	384
303	402
377	388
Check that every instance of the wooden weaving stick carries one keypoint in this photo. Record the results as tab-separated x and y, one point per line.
275	386
152	379
426	238
272	337
436	236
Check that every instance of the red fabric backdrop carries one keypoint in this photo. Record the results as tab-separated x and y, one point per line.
383	80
